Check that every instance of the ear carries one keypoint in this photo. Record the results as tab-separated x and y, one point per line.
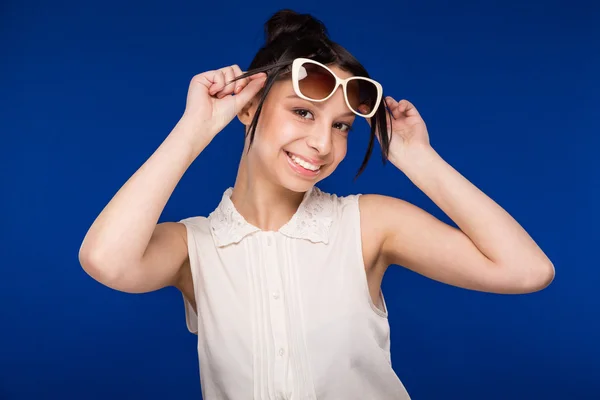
246	114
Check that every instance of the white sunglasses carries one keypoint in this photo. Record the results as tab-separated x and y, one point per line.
314	81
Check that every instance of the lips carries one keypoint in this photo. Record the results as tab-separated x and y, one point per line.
302	166
312	161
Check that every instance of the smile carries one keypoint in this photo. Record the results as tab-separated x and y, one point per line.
302	166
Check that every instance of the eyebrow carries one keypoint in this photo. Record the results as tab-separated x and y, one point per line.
294	96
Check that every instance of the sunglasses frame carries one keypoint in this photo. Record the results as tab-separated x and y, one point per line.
297	64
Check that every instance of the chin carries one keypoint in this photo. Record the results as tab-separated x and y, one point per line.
295	178
295	186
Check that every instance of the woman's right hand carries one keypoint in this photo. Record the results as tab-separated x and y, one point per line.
210	103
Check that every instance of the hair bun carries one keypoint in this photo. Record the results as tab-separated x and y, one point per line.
288	23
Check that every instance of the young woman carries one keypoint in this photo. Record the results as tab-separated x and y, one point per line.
281	282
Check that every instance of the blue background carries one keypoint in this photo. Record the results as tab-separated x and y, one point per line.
90	89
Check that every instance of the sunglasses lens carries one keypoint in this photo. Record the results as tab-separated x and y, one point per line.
316	83
362	95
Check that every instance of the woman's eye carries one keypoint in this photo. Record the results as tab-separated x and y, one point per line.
304	114
342	127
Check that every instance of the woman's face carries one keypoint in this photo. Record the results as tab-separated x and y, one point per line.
298	142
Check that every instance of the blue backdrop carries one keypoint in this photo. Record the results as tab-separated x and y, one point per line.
90	89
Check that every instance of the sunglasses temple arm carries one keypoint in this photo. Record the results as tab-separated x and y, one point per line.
259	70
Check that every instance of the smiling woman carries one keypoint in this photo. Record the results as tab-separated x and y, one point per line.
309	133
282	281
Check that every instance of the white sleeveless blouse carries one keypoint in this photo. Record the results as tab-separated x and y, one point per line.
288	314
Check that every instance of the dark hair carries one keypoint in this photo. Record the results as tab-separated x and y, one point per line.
290	35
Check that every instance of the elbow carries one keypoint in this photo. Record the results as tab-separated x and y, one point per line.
540	277
98	267
112	272
92	264
548	275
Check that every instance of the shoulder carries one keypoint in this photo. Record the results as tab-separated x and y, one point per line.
376	211
193	221
380	205
365	218
373	208
365	203
381	215
195	225
386	221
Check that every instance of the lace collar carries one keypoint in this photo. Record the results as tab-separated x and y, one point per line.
311	221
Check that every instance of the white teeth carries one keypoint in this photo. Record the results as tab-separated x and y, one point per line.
303	163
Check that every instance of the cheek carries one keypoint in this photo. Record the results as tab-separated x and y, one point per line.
277	133
340	150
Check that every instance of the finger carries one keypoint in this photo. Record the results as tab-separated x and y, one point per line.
229	85
218	82
260	75
391	102
245	81
248	93
408	108
240	83
393	107
205	79
403	105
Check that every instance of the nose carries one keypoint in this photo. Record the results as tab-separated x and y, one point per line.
320	139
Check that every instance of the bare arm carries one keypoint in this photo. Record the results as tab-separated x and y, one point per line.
489	251
124	248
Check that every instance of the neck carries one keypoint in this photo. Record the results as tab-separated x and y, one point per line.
262	203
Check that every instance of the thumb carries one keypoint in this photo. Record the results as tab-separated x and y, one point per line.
248	93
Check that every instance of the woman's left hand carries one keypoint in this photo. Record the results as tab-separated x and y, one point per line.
408	128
